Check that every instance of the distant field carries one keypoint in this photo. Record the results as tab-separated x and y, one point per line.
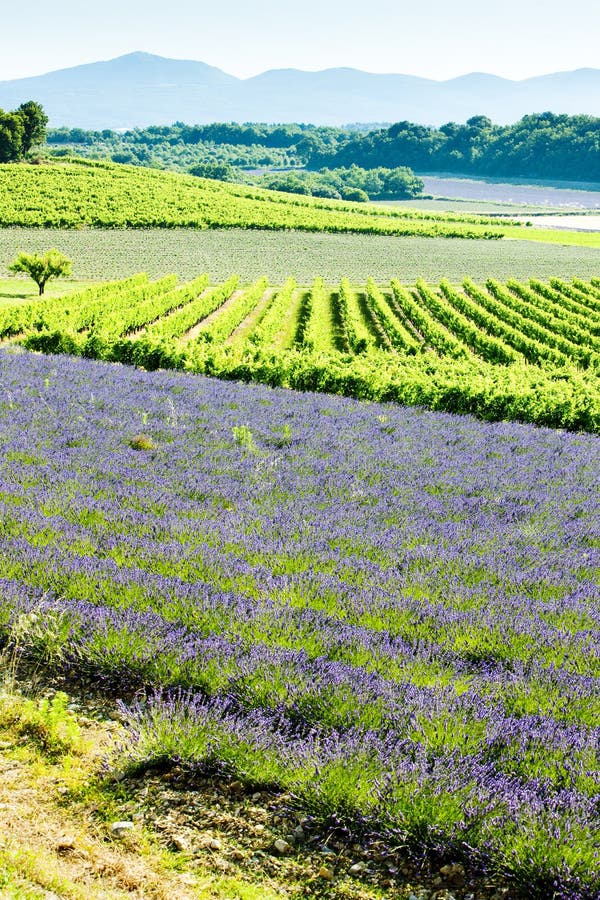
567	221
485	207
498	197
105	253
77	194
543	193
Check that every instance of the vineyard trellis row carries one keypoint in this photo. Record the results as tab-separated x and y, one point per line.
420	344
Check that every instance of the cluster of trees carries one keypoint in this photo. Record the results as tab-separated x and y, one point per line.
543	145
20	130
247	134
219	171
352	183
179	147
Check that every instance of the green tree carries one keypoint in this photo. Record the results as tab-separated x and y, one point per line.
42	268
287	182
355	195
20	130
400	183
12	133
34	124
327	191
218	171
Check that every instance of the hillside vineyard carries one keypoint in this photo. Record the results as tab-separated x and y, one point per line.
500	350
80	193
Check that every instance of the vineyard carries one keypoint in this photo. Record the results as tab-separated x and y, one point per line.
79	193
514	350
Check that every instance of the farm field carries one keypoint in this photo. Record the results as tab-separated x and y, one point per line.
526	351
520	191
389	612
108	253
80	193
485	207
83	193
495	197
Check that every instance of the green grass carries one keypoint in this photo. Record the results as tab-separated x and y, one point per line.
13	290
102	254
555	236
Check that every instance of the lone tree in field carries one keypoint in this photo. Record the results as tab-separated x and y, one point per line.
42	268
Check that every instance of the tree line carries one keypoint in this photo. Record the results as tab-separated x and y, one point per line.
542	145
181	147
247	134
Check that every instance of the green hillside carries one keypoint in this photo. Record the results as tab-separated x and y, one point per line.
80	193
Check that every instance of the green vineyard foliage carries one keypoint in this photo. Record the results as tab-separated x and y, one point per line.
511	351
79	193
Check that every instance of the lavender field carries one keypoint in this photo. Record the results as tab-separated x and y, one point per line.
392	613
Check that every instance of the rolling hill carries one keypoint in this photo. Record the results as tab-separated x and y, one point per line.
80	193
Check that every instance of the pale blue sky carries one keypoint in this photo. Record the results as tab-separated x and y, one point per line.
433	38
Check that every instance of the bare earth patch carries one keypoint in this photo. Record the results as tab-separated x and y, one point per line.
566	222
49	849
193	333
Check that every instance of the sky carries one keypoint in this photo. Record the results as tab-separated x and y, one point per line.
436	39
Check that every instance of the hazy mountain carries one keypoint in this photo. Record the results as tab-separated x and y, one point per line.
141	89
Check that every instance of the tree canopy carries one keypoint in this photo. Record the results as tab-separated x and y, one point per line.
42	268
542	145
20	130
352	183
219	171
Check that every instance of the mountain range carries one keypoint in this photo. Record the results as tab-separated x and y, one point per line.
141	89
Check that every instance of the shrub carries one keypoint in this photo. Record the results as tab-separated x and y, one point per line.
141	442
